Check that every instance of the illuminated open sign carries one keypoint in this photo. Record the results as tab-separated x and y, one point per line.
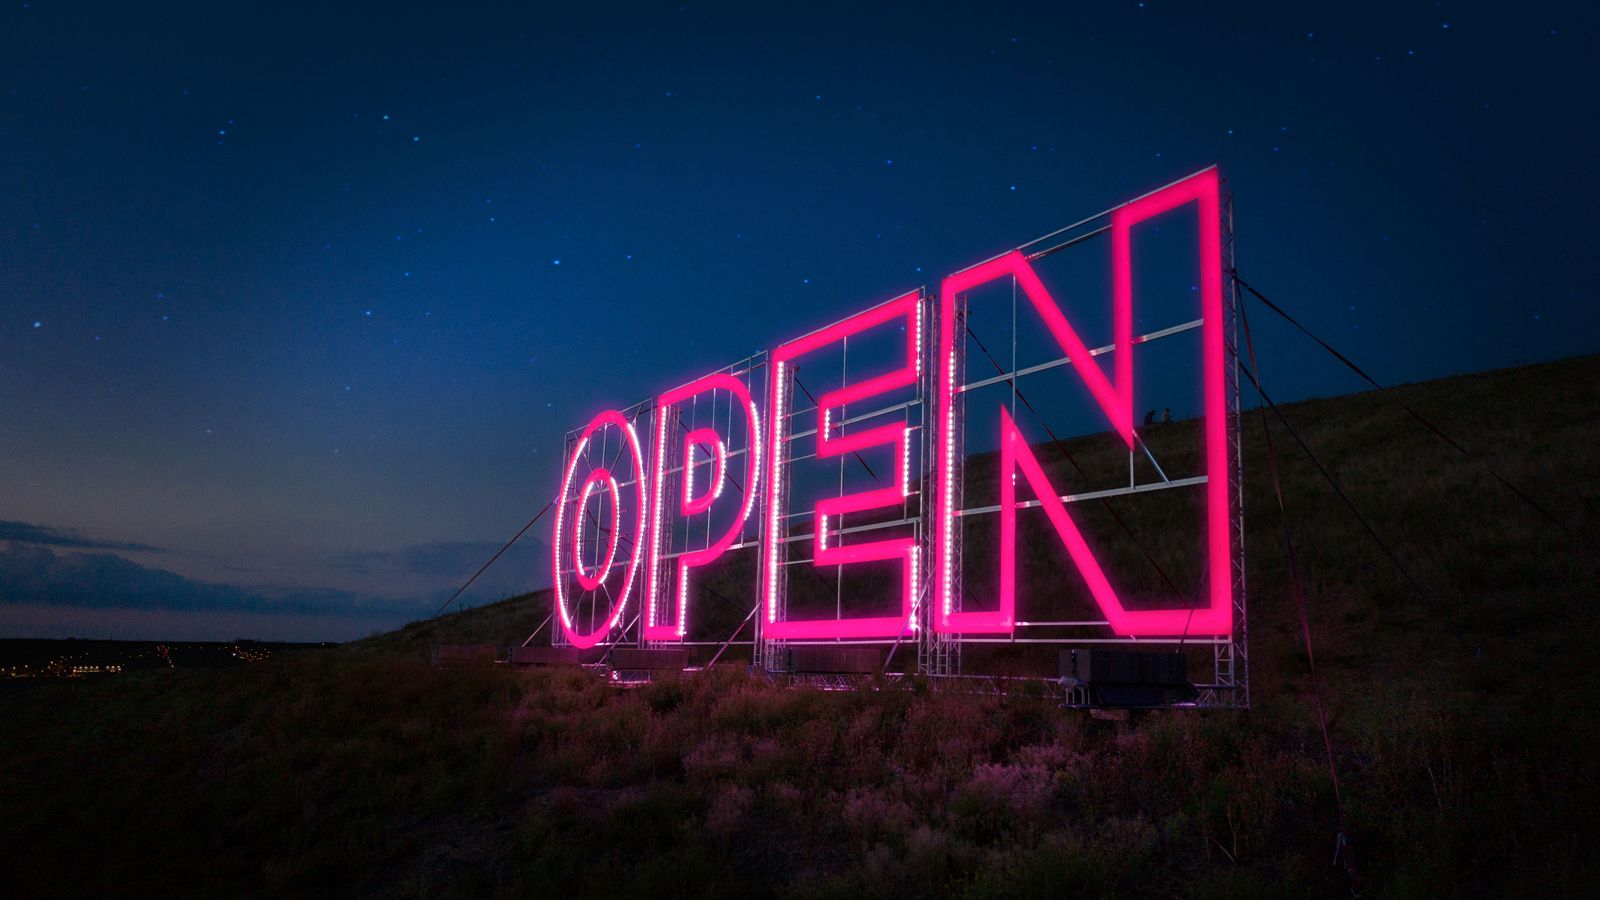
733	470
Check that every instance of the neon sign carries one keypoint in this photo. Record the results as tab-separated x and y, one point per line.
586	544
908	308
691	504
599	482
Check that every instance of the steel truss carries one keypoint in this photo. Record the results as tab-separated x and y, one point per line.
585	605
938	655
771	656
1229	684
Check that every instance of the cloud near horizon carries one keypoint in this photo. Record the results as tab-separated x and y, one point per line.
45	569
31	575
45	535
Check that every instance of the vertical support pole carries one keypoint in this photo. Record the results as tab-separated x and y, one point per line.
943	651
1238	646
656	593
757	631
558	636
774	569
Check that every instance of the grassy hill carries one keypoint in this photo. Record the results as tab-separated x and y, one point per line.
1462	717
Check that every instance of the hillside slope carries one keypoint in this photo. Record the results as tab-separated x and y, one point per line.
1461	717
1490	567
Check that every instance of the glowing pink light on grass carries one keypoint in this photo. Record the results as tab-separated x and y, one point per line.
907	306
1116	401
614	419
689	504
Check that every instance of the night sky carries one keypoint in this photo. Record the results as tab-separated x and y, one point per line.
296	304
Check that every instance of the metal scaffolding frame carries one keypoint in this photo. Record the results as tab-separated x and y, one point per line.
679	534
1229	685
608	451
937	654
774	572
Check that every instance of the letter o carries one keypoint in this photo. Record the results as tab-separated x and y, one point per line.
597	476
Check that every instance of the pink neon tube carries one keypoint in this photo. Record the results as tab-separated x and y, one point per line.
689	504
609	418
907	306
1215	618
703	437
597	478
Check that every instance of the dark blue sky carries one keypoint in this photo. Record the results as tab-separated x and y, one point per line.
297	303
